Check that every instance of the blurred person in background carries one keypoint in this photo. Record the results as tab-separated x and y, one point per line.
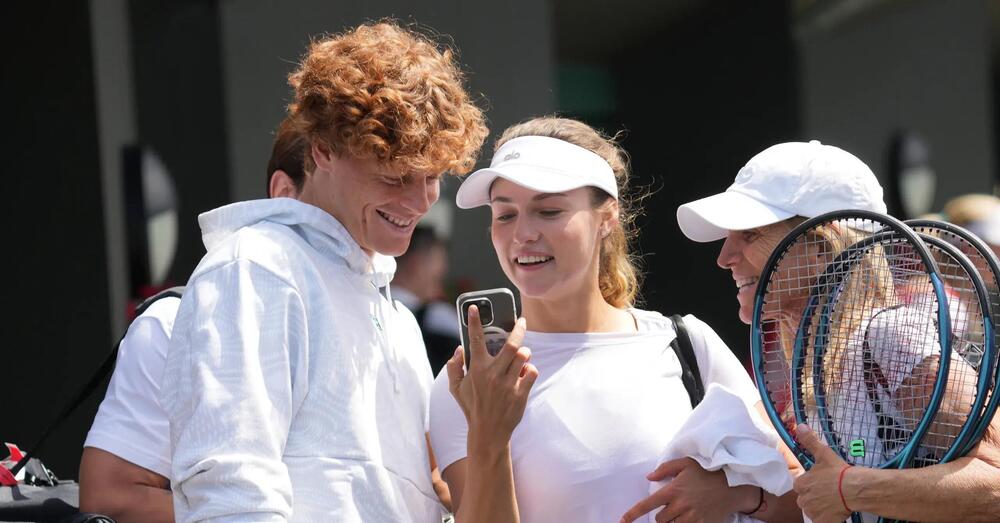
753	215
979	214
295	387
419	285
125	465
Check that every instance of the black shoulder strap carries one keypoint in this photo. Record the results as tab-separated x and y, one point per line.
690	374
95	380
173	292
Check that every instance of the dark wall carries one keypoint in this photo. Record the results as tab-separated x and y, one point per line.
180	109
56	324
699	99
58	330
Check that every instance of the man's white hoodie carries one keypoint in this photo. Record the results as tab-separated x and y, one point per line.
295	389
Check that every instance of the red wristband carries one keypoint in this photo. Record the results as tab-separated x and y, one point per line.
840	487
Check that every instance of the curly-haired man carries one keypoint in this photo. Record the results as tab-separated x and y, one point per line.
296	388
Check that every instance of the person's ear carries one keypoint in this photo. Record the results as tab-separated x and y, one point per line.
282	186
609	220
321	155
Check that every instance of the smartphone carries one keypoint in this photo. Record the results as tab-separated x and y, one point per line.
497	313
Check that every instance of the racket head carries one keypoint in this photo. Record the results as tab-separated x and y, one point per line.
972	353
988	266
787	295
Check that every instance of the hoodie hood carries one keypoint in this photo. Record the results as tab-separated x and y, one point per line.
317	227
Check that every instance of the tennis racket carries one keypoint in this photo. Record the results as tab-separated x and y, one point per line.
899	366
986	263
817	293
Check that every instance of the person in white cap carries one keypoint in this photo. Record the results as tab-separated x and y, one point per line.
609	395
776	190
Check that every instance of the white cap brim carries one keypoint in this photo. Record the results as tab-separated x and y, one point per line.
711	218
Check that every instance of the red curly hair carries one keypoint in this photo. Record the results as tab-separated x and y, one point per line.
386	93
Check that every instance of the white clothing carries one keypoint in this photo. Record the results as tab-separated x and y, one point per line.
724	433
295	390
602	411
898	339
130	422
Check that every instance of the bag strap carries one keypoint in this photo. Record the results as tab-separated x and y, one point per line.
690	375
95	381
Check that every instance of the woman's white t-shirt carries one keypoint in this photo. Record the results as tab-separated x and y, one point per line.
602	411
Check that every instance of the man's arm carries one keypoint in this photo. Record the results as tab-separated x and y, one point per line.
440	486
234	378
122	490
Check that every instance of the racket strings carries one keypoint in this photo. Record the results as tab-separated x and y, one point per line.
792	287
848	339
968	330
972	354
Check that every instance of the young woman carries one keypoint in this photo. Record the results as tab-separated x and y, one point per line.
580	443
774	192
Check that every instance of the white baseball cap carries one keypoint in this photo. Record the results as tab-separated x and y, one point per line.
542	164
784	180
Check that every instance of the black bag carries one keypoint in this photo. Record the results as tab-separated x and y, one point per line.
41	496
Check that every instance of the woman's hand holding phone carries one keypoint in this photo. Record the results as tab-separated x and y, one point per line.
494	390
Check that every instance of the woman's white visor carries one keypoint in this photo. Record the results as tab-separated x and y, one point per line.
542	164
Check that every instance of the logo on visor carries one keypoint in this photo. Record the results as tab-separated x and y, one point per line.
512	156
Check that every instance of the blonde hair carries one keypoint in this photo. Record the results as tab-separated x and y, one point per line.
619	275
390	94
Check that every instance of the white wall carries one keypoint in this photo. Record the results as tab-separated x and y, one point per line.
922	65
507	49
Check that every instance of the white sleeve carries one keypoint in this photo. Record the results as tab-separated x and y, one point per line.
130	422
449	429
717	362
234	378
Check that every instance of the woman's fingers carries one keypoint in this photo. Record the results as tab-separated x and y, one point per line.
669	469
521	356
657	499
529	373
511	346
669	513
477	340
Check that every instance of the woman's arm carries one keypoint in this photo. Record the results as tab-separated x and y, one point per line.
126	492
493	394
784	507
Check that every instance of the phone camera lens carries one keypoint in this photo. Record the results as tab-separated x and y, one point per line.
485	311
